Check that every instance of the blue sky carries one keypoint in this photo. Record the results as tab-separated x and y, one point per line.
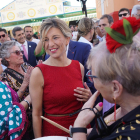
90	3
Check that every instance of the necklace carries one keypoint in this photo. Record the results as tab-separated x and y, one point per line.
108	121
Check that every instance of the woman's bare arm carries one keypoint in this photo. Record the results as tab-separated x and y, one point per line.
36	92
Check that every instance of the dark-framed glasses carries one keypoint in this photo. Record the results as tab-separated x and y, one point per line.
90	76
124	14
2	35
17	52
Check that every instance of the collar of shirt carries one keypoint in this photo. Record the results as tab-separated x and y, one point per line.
82	39
25	44
67	49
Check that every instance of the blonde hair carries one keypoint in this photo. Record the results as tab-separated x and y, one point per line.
84	27
56	23
123	65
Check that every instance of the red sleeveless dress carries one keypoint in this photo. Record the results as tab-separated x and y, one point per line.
58	96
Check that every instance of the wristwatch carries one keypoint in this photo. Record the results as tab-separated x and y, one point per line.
77	130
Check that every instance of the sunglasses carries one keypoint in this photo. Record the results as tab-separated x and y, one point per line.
125	14
17	52
90	77
2	35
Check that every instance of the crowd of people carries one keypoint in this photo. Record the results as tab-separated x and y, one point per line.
86	76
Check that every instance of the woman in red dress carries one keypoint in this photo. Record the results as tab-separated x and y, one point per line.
53	84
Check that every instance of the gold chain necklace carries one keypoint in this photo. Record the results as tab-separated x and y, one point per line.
108	121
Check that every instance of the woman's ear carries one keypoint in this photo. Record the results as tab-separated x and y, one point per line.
7	59
117	89
67	40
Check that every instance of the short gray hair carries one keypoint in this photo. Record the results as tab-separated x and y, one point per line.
15	30
123	65
109	17
135	9
5	51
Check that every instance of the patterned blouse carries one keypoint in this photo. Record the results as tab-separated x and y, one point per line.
126	128
15	79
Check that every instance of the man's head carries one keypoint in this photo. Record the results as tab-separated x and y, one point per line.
136	11
28	32
97	29
3	35
105	21
19	35
72	28
123	12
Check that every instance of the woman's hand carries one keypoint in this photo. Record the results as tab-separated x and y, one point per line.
27	76
83	93
86	116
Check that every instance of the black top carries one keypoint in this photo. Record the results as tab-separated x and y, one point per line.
126	128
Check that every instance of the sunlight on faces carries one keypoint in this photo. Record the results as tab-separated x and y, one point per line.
28	33
20	36
15	59
55	42
102	24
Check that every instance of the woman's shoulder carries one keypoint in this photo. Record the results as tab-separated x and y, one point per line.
2	85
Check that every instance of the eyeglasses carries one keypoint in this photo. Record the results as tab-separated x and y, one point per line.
17	52
88	74
2	35
125	14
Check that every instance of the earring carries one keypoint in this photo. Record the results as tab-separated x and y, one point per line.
114	109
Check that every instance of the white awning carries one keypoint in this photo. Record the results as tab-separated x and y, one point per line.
94	15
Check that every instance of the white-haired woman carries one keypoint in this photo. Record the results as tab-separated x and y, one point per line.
115	68
17	74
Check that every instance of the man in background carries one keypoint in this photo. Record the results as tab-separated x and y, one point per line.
123	12
97	30
3	35
29	34
26	46
105	21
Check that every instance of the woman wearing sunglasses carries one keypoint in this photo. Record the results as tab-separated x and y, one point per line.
115	70
17	74
13	118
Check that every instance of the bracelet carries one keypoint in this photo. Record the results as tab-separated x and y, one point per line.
27	103
77	130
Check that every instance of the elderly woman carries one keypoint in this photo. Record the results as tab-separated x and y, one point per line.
86	31
12	113
55	90
17	73
115	68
